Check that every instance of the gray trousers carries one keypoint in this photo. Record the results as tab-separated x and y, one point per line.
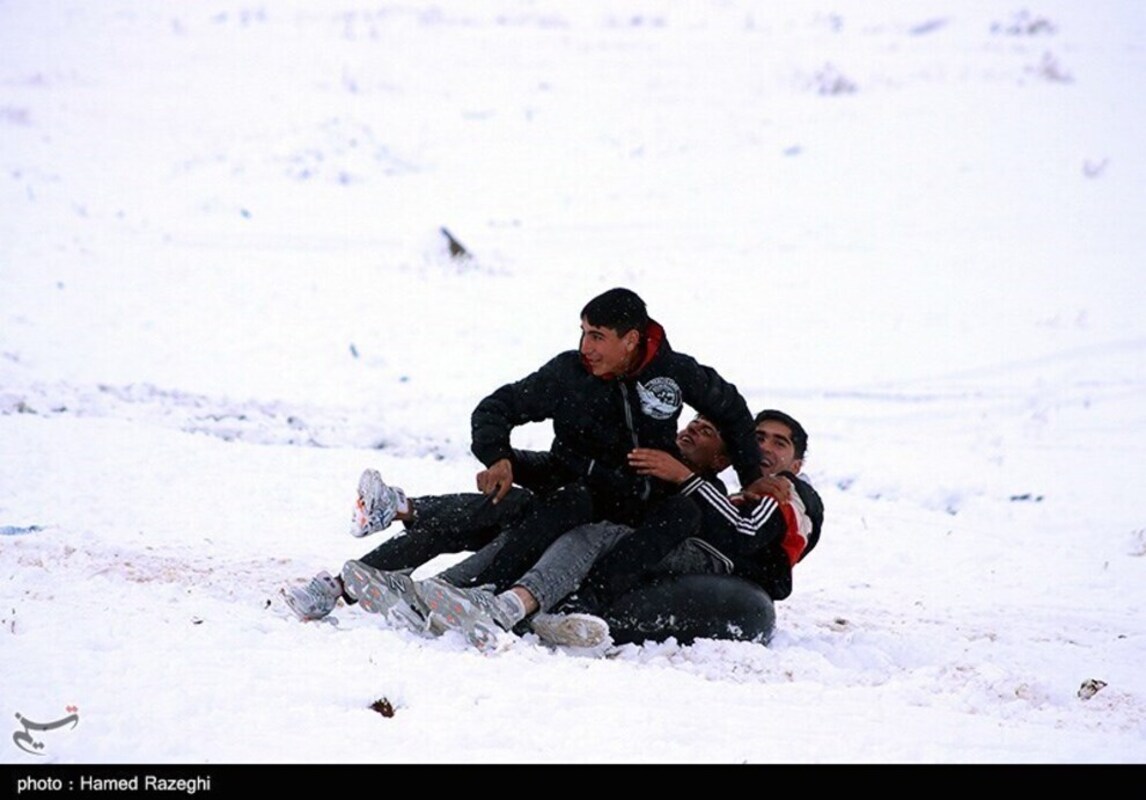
561	568
567	561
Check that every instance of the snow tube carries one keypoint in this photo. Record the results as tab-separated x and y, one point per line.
688	607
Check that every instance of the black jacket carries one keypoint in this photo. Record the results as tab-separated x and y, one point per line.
597	421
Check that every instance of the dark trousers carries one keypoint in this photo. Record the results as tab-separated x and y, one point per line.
449	523
518	547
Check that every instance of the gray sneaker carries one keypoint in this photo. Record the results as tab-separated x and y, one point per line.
570	630
478	614
314	600
391	594
376	505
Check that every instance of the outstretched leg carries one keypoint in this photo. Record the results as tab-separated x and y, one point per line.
450	523
517	548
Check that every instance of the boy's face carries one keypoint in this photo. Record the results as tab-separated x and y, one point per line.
777	452
701	446
605	351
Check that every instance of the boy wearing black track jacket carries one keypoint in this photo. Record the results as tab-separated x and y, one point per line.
594	568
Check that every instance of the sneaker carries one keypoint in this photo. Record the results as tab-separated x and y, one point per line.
570	630
392	594
376	506
478	614
314	600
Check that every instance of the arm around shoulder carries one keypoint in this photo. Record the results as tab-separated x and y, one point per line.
721	402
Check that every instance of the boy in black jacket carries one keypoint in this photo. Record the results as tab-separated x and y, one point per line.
624	388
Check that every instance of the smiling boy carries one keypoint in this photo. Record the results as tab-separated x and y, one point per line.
623	388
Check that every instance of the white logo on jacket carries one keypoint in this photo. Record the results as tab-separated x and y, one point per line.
660	398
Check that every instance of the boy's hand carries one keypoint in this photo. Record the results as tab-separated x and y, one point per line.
496	480
659	464
779	489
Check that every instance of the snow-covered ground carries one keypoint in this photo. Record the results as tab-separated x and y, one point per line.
916	226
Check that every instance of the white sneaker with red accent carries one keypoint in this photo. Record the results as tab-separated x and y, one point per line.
392	594
480	615
314	600
570	630
377	504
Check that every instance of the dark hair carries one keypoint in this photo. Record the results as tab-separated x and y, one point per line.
622	310
799	435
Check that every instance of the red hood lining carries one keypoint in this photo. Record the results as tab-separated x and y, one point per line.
654	336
